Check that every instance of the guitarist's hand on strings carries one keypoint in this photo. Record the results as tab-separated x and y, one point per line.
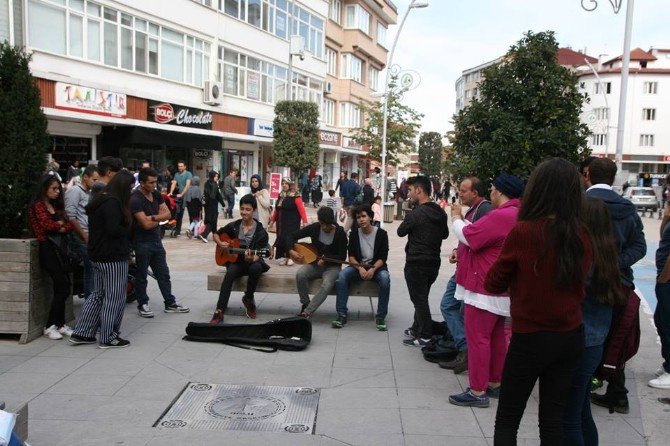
248	257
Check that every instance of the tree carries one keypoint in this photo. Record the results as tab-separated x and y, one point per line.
430	153
23	139
528	110
403	124
296	135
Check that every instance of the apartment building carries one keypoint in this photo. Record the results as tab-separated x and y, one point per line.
356	51
168	80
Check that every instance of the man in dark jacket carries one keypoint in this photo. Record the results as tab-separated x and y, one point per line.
330	241
426	226
368	192
631	246
368	245
350	190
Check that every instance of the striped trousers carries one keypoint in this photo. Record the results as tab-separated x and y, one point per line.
105	305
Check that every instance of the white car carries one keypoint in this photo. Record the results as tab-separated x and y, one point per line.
644	198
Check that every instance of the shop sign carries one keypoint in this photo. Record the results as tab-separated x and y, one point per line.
202	153
349	143
260	127
166	113
90	100
275	185
329	138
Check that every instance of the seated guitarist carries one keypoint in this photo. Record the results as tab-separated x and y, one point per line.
252	235
368	245
330	241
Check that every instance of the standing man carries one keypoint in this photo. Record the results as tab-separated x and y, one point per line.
472	192
330	241
229	191
149	209
76	199
181	182
426	226
368	245
107	167
631	246
368	192
662	312
349	190
72	171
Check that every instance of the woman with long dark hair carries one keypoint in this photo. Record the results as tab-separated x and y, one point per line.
262	213
48	219
109	222
288	213
603	290
544	264
212	199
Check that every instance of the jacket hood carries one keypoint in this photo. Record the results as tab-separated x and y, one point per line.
619	207
195	181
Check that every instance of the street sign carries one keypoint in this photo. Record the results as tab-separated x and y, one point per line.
275	185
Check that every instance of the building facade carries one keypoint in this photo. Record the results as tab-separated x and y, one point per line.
168	80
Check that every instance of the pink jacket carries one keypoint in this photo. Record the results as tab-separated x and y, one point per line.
485	237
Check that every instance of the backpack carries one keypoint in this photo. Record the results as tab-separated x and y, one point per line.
623	339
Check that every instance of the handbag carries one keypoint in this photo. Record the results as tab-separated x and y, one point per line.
69	258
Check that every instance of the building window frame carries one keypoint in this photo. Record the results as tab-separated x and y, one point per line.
650	87
649	114
646	140
357	17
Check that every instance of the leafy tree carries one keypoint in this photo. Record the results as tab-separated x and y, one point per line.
528	110
23	139
403	124
296	135
430	153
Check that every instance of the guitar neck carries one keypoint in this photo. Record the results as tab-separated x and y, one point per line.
254	252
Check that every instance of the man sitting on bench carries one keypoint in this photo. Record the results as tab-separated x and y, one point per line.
368	245
252	235
330	241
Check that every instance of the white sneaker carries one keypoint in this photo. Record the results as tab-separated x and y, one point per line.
52	333
289	262
145	311
282	261
662	382
204	240
65	330
659	372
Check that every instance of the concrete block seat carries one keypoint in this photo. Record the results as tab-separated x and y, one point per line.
281	280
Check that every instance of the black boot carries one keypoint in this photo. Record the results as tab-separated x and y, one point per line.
458	365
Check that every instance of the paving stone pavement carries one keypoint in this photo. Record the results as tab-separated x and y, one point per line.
375	391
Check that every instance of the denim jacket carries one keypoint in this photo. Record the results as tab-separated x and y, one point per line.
597	321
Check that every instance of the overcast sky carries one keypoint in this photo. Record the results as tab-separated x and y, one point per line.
450	36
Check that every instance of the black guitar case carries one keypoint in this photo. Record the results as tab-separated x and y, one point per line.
292	333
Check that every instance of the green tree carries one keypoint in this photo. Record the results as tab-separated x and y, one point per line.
23	139
528	110
296	135
430	153
403	124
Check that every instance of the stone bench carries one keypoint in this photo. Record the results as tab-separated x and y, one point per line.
281	280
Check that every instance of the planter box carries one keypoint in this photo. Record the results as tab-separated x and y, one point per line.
25	290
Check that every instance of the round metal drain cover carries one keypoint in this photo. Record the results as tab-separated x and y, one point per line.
245	408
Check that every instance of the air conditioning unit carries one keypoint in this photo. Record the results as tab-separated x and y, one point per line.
328	87
212	93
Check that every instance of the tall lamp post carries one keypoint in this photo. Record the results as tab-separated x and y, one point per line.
413	5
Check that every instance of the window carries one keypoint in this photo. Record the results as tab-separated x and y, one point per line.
47	27
646	140
331	62
357	18
602	113
204	2
351	68
374	79
381	34
328	112
350	115
599	139
605	86
649	114
650	88
334	11
310	27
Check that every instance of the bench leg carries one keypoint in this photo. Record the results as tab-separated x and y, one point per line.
372	308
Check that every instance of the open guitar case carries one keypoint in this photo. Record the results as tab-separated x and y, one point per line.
291	333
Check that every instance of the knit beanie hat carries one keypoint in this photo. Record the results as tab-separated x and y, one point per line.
509	185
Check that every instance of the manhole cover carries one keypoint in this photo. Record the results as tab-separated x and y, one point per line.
249	408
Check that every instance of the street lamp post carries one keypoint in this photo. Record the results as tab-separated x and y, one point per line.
389	64
607	107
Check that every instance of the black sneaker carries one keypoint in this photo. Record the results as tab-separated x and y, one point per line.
176	308
115	343
78	340
381	325
410	333
613	406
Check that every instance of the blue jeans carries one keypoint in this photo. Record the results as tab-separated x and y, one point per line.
452	311
230	200
152	254
80	246
350	274
579	429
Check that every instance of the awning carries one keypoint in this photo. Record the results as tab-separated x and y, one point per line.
124	136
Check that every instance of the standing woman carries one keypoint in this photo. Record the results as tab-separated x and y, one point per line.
193	199
109	223
262	196
212	199
47	217
544	264
288	213
317	193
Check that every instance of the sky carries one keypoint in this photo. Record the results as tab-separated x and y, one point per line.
450	36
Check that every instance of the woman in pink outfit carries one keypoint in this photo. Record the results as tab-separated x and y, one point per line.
485	313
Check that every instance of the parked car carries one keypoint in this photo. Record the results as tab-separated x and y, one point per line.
644	198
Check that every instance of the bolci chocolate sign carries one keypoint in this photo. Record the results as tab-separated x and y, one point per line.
166	113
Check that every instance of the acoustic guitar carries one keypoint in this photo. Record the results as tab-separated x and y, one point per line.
311	255
224	257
